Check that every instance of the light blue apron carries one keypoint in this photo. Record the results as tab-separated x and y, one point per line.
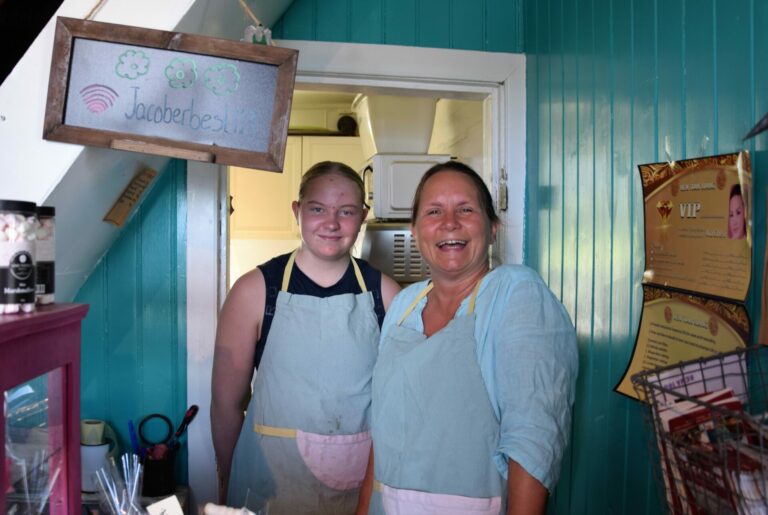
434	430
305	441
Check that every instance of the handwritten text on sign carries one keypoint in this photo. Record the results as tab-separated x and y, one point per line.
154	92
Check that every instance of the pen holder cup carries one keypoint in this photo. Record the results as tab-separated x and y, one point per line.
159	476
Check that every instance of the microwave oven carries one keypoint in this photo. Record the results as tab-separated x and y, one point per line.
391	180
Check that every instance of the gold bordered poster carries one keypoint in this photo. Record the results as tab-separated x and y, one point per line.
698	256
697	225
677	326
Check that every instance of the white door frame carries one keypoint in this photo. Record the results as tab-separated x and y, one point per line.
497	77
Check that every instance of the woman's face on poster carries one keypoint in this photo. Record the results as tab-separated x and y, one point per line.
736	225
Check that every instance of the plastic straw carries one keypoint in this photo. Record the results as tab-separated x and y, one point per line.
48	490
119	492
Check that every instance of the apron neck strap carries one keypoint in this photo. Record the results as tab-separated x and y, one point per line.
292	261
428	288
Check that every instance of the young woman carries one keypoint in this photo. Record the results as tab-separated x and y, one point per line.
308	322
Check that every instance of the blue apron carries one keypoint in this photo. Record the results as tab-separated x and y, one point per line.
304	445
434	429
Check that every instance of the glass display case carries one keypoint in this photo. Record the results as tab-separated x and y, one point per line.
40	381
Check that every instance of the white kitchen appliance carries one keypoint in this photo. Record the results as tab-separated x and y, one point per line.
391	180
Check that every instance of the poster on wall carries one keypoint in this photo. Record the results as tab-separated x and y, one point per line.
677	326
698	261
698	223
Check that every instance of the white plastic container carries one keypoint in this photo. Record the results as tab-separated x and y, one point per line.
18	226
395	178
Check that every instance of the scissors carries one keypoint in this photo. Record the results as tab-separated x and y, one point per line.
188	417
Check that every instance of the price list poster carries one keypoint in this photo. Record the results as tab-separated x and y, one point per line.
698	257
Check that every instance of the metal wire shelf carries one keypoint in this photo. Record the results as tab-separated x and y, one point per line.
710	431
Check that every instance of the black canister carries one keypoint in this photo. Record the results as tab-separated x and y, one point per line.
18	226
45	254
159	476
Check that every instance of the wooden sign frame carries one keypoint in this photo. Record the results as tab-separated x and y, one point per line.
70	29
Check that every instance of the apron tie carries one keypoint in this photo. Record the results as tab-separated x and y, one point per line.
282	432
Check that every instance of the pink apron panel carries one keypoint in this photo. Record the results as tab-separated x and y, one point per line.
412	502
338	461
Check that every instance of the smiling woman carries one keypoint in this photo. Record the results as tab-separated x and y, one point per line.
309	321
495	357
454	221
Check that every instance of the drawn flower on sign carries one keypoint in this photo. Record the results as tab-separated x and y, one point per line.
132	64
181	73
222	79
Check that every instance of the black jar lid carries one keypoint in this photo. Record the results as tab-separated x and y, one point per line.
18	206
46	211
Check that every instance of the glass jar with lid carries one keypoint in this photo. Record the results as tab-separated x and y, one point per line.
18	227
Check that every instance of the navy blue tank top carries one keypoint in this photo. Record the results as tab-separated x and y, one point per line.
301	284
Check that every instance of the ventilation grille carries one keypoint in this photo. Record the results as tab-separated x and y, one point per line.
407	264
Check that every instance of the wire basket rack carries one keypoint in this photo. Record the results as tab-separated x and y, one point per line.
710	431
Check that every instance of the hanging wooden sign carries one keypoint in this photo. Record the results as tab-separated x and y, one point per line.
169	93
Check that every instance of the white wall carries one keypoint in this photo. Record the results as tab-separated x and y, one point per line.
203	239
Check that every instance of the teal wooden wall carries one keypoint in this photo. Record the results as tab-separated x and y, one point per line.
492	25
612	84
134	337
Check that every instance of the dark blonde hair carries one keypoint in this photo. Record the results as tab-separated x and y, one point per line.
324	168
483	194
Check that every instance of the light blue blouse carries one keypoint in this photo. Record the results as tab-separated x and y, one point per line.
526	347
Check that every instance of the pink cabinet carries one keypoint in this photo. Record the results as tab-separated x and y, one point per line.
40	434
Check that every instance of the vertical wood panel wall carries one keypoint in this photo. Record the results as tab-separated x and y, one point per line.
613	84
134	337
492	25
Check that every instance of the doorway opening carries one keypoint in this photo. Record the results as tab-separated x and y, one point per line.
261	224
